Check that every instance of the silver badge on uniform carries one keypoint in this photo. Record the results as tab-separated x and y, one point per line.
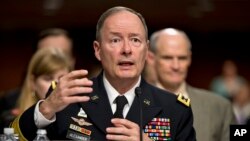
81	121
82	113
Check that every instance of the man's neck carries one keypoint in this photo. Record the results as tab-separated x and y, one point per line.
122	85
168	88
172	88
180	89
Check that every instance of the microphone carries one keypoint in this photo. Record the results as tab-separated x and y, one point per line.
138	93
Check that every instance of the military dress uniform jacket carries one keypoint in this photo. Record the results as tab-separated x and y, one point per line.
164	117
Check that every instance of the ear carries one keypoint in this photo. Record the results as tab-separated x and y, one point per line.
96	46
148	44
151	57
190	58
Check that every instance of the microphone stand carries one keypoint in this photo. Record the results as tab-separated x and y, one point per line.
138	92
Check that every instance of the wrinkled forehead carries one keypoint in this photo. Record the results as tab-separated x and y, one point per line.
124	18
124	21
172	40
61	42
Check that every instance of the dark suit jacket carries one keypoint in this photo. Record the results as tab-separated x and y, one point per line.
156	103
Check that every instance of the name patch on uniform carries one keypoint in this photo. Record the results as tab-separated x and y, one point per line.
77	136
158	129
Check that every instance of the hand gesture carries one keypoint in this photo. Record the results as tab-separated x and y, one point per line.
124	130
66	92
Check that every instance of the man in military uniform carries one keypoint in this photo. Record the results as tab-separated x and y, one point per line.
83	109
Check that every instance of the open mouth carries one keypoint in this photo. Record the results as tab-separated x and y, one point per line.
125	63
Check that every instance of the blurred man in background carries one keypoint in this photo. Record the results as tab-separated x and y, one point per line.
241	104
171	54
58	38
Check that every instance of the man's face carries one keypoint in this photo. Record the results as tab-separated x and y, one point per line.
57	41
61	42
172	60
123	46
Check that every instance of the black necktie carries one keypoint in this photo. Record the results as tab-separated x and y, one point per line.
121	101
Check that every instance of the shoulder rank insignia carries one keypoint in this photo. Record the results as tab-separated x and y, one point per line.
146	101
182	99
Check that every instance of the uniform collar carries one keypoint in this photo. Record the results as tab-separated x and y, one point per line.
113	93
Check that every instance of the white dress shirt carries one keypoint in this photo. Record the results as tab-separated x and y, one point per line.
40	120
112	94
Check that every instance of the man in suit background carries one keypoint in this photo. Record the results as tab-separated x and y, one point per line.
58	38
170	52
82	109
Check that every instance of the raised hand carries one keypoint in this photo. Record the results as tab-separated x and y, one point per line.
67	91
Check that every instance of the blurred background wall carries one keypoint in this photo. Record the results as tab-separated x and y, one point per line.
218	29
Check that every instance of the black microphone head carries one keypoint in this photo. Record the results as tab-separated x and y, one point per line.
138	91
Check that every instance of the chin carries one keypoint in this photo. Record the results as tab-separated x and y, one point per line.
174	82
127	75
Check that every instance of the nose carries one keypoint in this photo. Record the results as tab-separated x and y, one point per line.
126	48
176	64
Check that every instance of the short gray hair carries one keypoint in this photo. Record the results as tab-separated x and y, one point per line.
170	31
114	10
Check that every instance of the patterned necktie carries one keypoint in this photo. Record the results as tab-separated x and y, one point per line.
121	101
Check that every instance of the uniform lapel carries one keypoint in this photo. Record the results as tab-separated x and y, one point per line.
149	107
98	108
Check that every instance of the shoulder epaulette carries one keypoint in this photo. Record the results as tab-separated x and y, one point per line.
184	100
17	129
